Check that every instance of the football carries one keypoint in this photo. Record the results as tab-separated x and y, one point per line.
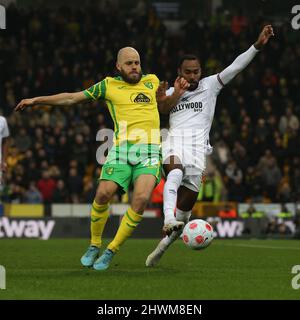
197	234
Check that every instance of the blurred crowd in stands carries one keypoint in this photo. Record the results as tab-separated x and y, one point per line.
255	133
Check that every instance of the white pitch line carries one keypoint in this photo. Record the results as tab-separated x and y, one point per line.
260	247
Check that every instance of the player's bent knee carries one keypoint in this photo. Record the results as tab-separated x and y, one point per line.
140	202
142	199
103	196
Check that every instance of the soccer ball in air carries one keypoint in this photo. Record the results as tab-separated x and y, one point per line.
197	234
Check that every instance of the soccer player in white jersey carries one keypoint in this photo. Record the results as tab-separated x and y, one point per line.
191	108
4	134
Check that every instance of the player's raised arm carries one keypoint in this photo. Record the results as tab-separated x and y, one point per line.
242	61
167	102
61	99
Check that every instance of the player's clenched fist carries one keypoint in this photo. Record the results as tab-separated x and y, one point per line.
180	85
264	36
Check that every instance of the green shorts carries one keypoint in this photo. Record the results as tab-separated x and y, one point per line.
128	161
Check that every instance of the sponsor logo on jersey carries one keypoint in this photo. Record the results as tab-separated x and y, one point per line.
141	97
196	106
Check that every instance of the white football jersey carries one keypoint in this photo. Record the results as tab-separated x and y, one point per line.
4	133
192	117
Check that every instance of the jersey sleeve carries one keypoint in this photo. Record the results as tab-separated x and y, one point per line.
155	82
5	130
213	83
239	64
97	91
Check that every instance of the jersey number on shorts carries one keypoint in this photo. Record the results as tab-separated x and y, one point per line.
150	162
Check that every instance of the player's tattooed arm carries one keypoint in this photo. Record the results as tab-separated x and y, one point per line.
166	103
264	37
61	99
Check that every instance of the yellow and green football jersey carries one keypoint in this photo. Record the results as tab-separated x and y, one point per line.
133	108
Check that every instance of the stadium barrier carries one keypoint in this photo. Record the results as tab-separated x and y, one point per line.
72	221
24	210
210	209
200	210
74	227
66	210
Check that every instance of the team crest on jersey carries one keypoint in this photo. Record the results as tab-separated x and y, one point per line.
148	84
109	171
141	97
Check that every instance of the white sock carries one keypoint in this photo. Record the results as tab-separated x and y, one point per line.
183	215
172	184
180	216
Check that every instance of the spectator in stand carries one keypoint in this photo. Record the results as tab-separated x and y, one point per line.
15	193
13	158
284	191
60	193
265	160
289	120
89	191
222	153
227	213
234	177
74	185
253	185
80	151
33	195
271	177
23	140
238	23
240	155
46	186
262	131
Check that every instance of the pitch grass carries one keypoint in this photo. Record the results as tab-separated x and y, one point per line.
228	269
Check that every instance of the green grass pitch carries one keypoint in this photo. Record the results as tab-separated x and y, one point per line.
228	269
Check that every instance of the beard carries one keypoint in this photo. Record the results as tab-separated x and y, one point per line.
131	78
193	86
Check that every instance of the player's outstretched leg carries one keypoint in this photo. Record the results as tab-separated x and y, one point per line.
129	223
172	184
90	256
155	256
173	225
103	262
99	216
143	188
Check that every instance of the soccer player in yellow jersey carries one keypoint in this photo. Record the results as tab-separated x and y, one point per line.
135	156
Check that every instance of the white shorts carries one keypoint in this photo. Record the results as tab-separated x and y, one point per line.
191	156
